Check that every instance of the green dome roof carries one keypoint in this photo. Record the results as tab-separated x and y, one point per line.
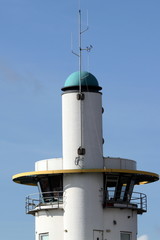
87	79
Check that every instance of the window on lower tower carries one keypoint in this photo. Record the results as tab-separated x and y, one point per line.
125	236
44	236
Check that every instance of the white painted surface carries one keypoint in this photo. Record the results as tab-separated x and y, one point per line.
119	163
49	164
49	221
83	210
91	129
117	220
98	234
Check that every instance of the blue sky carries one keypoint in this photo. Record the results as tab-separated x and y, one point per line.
35	60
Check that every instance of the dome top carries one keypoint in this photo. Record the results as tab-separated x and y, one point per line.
87	80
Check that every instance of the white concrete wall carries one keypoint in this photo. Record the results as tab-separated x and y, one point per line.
49	221
119	163
117	220
83	210
49	164
83	213
91	130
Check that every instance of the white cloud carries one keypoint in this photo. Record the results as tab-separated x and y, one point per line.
143	237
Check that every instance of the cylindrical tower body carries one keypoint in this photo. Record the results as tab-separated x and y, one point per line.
82	127
83	210
82	122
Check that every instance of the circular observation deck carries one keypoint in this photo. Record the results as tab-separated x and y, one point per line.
31	178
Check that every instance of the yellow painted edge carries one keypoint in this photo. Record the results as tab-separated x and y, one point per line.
25	174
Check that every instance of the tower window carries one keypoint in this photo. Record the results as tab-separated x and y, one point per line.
125	236
44	236
51	188
118	188
51	183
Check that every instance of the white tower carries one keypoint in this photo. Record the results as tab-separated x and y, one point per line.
85	196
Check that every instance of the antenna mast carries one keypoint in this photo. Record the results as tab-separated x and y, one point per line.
80	51
88	49
81	149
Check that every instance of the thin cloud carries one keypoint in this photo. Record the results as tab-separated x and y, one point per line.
143	237
9	74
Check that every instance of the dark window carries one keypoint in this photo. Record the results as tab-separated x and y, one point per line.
125	236
51	187
118	188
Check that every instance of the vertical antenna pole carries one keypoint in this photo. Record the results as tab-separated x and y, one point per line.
80	52
81	149
80	66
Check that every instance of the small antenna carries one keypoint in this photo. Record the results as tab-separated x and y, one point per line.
88	48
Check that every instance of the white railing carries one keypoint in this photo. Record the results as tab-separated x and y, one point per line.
38	200
136	201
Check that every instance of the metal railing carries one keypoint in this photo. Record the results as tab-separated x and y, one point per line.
136	200
37	201
54	199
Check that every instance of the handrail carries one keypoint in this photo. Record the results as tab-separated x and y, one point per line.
37	200
136	200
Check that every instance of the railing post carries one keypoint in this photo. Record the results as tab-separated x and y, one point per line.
26	204
58	199
141	201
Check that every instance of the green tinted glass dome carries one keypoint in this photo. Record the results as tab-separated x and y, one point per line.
87	79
